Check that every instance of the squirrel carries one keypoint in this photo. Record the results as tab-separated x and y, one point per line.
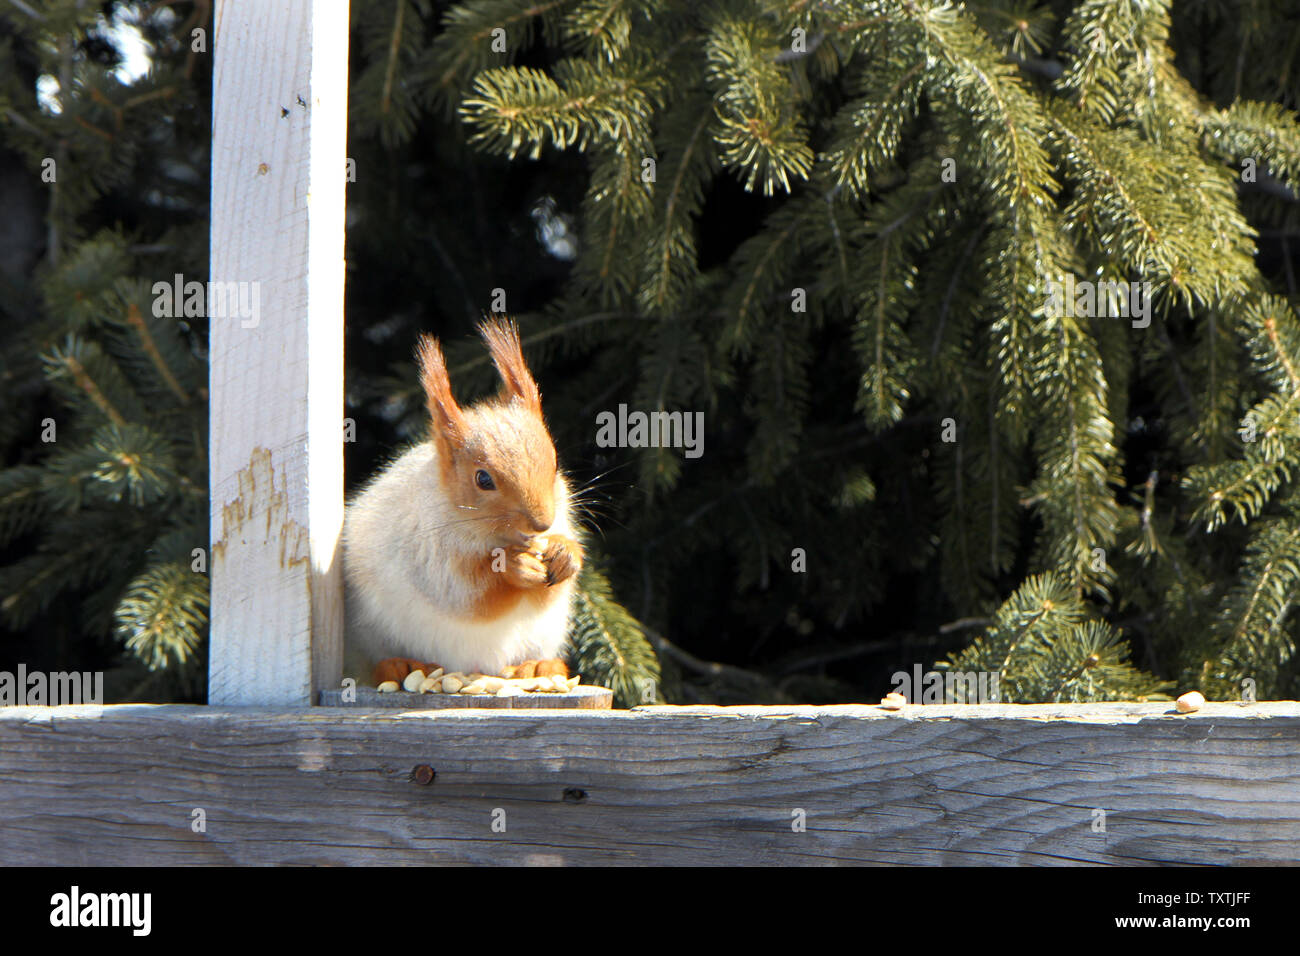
463	551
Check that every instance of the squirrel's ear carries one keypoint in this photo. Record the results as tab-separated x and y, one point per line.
448	420
502	340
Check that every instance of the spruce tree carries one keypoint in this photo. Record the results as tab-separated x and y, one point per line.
833	228
883	341
105	509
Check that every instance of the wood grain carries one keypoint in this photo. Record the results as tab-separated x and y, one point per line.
999	785
279	126
582	697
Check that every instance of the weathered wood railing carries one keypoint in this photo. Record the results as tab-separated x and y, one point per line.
1054	785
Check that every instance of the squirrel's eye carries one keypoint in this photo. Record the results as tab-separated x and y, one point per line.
484	480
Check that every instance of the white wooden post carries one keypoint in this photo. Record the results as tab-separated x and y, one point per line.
279	118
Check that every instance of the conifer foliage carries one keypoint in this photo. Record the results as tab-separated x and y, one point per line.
838	230
104	510
939	167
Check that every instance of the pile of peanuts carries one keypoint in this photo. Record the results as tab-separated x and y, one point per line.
457	682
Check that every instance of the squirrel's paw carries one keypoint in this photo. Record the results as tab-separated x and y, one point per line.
563	559
396	669
543	668
526	570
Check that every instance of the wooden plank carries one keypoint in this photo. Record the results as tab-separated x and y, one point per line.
582	697
279	102
982	785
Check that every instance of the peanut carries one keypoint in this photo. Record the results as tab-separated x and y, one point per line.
515	682
437	681
893	701
1191	701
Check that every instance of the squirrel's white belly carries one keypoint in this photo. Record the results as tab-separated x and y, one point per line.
399	622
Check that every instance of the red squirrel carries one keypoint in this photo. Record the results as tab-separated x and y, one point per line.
462	553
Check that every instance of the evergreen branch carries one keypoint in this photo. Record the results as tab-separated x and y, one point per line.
1244	486
1253	642
136	321
1266	132
1075	452
608	644
163	615
762	263
778	395
1105	33
88	385
67	562
467	28
759	130
878	332
513	108
1273	336
981	89
872	128
392	41
1044	649
21	508
604	27
121	462
672	247
617	202
1026	258
390	64
1130	194
1106	192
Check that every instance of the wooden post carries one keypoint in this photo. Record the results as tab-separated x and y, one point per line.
279	117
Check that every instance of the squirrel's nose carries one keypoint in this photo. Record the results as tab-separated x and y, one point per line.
538	520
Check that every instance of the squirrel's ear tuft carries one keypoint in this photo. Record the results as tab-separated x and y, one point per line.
502	340
448	421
